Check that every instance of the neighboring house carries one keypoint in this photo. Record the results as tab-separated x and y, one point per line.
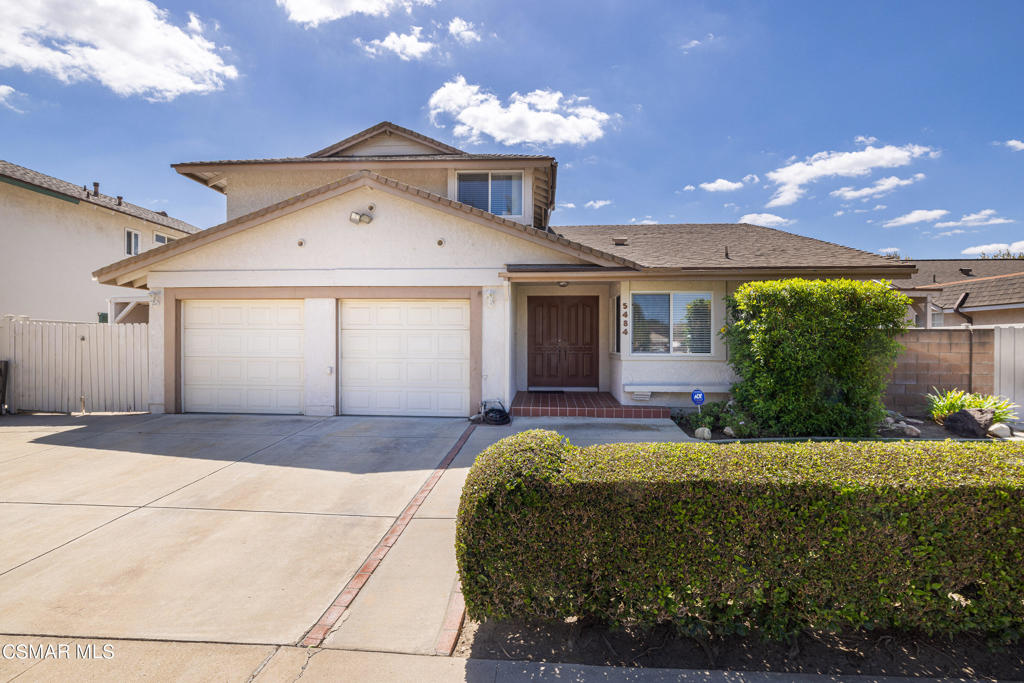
988	291
53	233
392	274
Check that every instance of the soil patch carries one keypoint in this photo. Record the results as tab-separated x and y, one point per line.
857	653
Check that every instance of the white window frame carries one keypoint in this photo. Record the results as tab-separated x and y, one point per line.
136	237
522	189
684	354
167	238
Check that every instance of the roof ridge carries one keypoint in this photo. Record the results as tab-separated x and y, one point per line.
378	128
968	281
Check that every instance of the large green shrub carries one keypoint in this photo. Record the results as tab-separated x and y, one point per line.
723	538
813	355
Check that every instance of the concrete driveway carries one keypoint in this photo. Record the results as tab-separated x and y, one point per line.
238	529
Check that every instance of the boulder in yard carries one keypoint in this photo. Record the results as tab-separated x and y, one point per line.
1000	430
970	422
702	433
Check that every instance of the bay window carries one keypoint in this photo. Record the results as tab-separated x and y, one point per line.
672	323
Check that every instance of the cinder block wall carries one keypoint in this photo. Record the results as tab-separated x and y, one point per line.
940	358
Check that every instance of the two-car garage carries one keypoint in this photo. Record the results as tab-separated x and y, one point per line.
395	357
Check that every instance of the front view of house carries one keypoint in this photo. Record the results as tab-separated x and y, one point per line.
393	274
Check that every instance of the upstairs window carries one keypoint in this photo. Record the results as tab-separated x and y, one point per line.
672	323
161	239
500	193
131	242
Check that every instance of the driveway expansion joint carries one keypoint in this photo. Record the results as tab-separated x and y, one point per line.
335	614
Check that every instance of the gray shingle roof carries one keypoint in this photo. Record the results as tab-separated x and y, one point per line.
995	290
722	246
376	158
41	180
939	271
386	126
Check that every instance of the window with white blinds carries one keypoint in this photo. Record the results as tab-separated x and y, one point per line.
500	193
672	322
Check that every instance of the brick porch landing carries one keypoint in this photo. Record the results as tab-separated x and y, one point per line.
580	404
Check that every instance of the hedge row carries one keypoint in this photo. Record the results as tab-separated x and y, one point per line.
726	538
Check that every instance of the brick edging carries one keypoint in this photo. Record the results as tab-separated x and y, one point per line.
448	636
315	636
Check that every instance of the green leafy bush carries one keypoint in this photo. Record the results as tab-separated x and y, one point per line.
813	355
725	538
717	416
944	403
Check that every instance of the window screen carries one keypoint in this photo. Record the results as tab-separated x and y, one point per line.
507	194
691	323
473	190
651	323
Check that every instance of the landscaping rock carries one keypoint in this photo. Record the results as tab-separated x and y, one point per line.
912	421
890	421
970	422
911	430
1000	430
729	432
702	433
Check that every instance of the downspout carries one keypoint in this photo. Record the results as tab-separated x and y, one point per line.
970	340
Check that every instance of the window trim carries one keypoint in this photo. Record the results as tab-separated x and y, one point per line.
136	242
522	189
671	353
167	238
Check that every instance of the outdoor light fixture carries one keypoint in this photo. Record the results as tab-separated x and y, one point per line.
358	217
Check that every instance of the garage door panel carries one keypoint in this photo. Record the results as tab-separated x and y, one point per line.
404	357
243	356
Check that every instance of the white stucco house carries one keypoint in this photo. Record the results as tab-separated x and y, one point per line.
393	274
53	233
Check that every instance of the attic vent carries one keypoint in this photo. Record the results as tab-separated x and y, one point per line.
620	241
966	271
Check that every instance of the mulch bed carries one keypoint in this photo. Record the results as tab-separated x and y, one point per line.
863	653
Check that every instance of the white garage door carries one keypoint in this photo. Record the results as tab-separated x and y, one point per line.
405	357
243	356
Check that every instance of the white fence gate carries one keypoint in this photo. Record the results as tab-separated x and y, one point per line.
61	367
1009	365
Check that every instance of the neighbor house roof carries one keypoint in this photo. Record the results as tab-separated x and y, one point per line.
727	246
937	271
994	290
386	128
127	266
16	175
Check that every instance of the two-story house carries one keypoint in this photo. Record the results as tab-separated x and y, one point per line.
52	235
393	274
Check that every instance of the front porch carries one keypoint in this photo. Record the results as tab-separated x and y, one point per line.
580	404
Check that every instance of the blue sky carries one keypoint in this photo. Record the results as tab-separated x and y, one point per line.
872	124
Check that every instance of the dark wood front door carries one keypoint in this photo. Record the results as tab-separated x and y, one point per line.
562	341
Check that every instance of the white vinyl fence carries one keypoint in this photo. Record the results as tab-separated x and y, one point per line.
1009	365
61	366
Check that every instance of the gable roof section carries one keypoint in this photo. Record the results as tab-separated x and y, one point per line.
728	246
123	271
19	176
994	290
937	271
386	128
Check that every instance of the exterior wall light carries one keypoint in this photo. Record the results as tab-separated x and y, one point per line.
358	217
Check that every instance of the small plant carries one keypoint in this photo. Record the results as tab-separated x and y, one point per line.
718	415
942	404
743	427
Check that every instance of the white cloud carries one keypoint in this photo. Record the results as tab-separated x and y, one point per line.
751	178
880	207
597	203
646	220
689	188
463	30
983	217
916	216
566	205
691	44
194	24
951	233
6	94
769	220
720	185
880	187
865	139
840	212
792	178
1015	145
315	12
540	116
889	250
407	46
992	248
129	46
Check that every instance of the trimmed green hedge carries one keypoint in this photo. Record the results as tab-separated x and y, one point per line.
725	538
